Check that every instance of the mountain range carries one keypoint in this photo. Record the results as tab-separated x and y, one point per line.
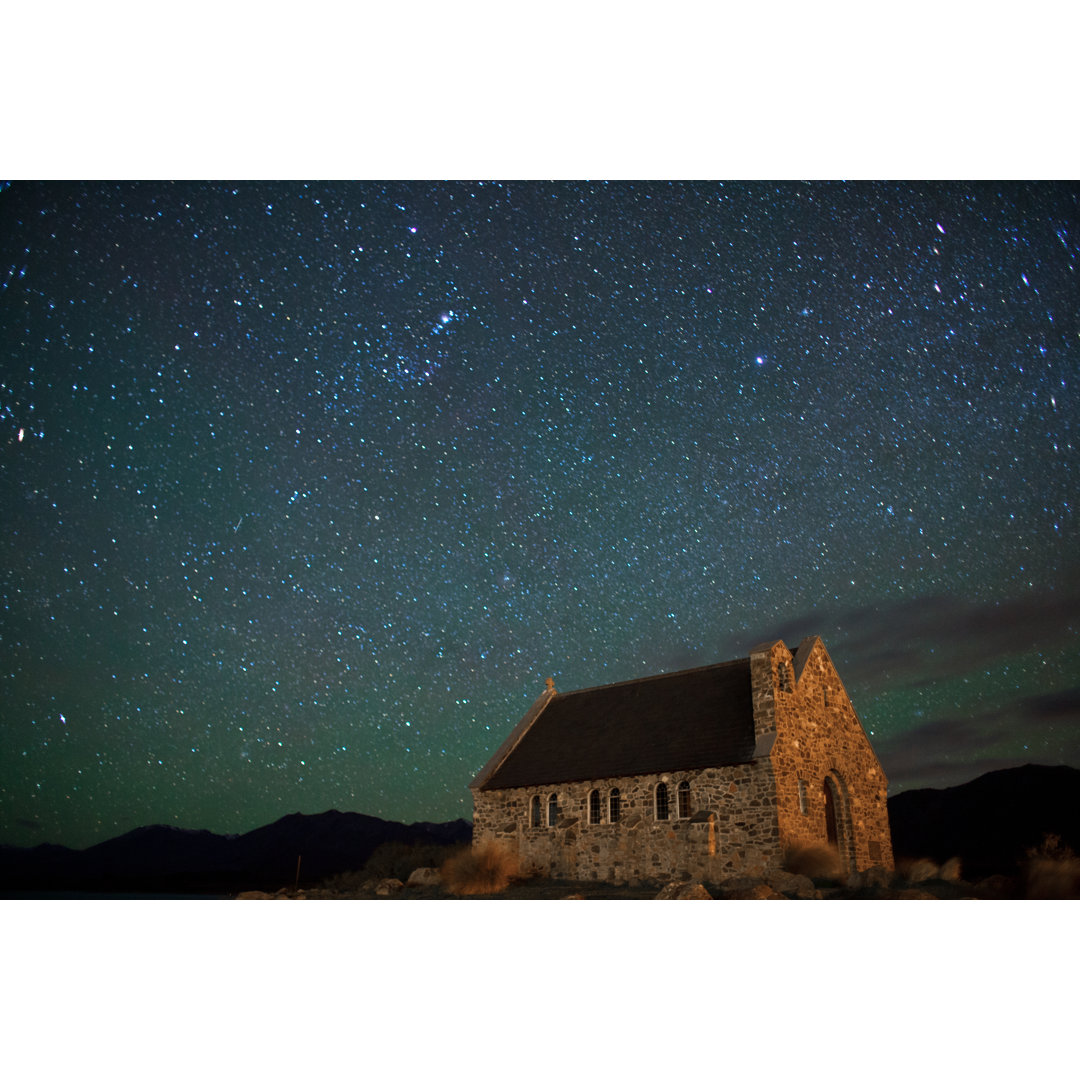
988	823
164	859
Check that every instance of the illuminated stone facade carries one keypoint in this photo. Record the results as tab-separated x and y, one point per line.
792	767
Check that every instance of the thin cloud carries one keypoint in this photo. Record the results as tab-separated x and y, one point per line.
953	749
923	641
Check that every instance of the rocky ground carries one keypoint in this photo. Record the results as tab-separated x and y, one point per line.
873	884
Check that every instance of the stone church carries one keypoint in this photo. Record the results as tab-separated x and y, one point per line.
703	774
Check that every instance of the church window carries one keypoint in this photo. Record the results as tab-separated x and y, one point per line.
553	810
684	799
536	816
614	806
594	807
783	673
803	808
661	802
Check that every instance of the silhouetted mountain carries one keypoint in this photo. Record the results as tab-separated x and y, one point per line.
990	822
160	858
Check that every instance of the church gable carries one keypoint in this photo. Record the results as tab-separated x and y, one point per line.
829	782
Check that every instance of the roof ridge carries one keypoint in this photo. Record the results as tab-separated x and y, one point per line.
652	678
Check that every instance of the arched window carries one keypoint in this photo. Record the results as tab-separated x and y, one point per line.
553	809
783	673
594	807
684	799
661	802
535	815
803	807
614	804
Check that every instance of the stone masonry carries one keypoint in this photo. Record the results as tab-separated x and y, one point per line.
811	779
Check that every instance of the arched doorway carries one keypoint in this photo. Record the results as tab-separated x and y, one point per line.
830	812
838	832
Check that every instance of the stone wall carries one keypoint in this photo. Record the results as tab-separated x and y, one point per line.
742	817
819	736
732	827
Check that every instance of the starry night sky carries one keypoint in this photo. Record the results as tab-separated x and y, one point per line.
306	488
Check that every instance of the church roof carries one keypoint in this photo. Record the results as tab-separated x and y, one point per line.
682	720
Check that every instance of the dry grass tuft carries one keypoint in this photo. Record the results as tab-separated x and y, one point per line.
917	870
399	860
952	869
390	860
480	871
814	861
1052	871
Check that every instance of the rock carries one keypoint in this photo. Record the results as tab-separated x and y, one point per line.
693	890
281	894
388	887
915	894
998	887
425	875
689	890
796	885
738	884
761	891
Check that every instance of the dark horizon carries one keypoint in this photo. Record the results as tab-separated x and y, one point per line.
467	819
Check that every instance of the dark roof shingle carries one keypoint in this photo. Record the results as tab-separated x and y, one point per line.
683	720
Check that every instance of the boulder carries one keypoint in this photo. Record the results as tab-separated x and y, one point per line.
693	890
688	890
756	892
915	894
255	894
425	875
798	886
388	887
738	884
998	887
749	887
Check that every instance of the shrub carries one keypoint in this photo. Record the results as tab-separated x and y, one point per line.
392	860
397	860
817	861
952	870
1052	871
480	871
917	870
351	881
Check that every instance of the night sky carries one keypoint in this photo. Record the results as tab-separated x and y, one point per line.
307	488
